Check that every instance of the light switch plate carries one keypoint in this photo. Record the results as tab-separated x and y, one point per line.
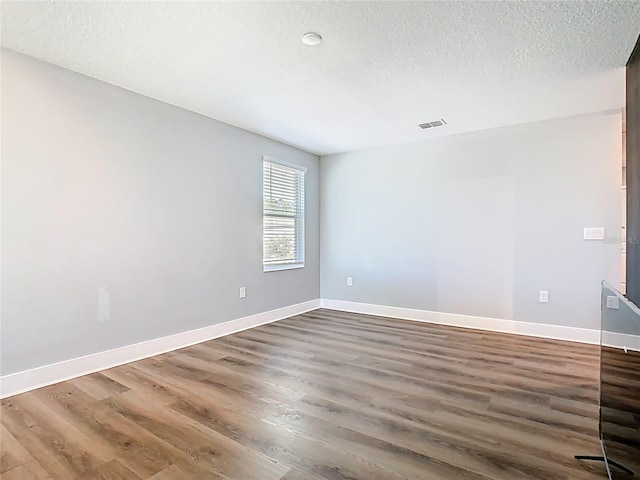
594	233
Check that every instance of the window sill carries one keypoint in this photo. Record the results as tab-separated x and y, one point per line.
277	268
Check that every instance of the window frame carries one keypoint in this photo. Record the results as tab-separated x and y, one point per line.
298	230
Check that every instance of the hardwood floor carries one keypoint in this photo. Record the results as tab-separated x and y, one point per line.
321	396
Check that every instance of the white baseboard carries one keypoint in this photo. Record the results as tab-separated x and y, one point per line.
557	332
24	381
621	340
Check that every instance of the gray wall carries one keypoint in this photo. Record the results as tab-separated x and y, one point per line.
478	224
624	320
102	187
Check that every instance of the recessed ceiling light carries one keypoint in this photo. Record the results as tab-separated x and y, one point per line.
311	38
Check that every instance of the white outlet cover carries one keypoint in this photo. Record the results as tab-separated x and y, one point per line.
349	281
243	292
544	296
104	305
613	302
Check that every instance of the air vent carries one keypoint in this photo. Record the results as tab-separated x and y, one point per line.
435	123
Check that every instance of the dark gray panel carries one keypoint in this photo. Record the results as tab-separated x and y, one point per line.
633	176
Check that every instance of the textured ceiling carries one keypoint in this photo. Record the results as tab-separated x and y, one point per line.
383	67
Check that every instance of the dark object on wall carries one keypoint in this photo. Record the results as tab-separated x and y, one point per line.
633	175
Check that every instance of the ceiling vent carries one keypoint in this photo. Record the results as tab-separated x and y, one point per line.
435	123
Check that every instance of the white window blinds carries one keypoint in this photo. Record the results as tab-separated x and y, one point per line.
283	215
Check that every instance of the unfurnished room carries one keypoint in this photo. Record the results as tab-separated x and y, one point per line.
320	240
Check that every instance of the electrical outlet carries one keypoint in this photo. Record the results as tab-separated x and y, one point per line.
243	292
104	306
544	296
613	302
349	281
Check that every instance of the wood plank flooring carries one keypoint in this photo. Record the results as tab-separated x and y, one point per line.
322	396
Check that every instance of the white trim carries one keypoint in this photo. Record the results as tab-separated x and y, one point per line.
278	267
621	340
24	381
557	332
277	161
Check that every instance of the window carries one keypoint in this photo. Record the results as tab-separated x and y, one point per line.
282	215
